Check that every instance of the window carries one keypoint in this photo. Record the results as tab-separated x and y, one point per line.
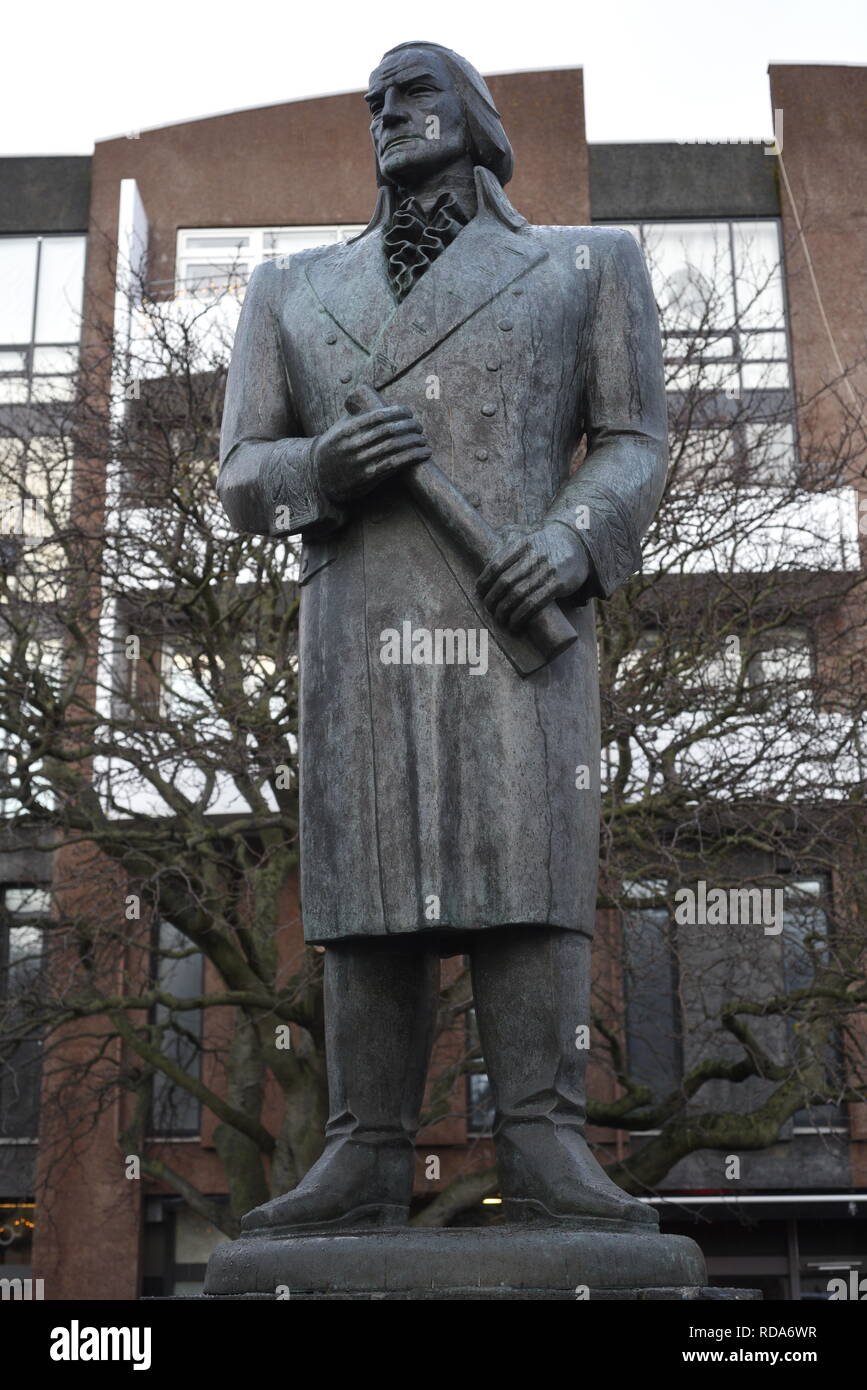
719	288
720	293
658	966
764	449
178	1243
182	677
212	261
189	675
653	1025
480	1097
632	662
41	287
805	949
22	666
35	487
781	670
22	925
178	971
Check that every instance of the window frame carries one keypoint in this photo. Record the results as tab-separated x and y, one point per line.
630	914
769	406
27	349
40	917
256	253
165	1092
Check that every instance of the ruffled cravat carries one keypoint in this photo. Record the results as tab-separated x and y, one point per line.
415	238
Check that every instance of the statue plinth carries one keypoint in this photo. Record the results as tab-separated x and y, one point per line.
589	1260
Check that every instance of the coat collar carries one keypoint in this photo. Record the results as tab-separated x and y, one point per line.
484	259
490	195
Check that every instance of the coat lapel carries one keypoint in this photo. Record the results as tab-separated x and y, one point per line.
353	286
482	261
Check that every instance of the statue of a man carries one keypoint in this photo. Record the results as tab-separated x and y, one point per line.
449	784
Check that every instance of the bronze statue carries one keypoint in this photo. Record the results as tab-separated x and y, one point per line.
412	403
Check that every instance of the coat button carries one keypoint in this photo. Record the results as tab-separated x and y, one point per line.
505	325
331	339
345	376
474	499
489	410
482	455
492	366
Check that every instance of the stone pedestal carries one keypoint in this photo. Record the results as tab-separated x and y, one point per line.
497	1262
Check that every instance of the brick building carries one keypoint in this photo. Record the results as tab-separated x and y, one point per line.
211	198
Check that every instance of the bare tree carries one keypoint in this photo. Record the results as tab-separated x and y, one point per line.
148	712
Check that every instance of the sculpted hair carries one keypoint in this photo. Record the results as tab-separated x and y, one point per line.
489	144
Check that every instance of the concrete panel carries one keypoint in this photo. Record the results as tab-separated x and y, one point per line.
633	182
44	193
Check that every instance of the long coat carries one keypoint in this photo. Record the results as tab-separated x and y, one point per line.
438	796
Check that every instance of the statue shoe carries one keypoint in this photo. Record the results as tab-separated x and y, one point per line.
548	1173
355	1183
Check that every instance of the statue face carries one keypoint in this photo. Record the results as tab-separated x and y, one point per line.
417	121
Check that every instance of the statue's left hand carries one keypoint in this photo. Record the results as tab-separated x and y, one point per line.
531	567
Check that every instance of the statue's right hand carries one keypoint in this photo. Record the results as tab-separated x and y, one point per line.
361	451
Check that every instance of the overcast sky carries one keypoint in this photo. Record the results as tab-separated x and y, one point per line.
78	71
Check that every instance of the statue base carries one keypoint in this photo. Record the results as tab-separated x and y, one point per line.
495	1262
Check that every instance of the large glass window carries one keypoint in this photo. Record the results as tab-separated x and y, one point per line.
653	961
720	292
653	1024
806	952
719	289
178	973
212	261
22	925
41	288
35	486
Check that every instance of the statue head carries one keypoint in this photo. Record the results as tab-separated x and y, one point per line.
430	109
